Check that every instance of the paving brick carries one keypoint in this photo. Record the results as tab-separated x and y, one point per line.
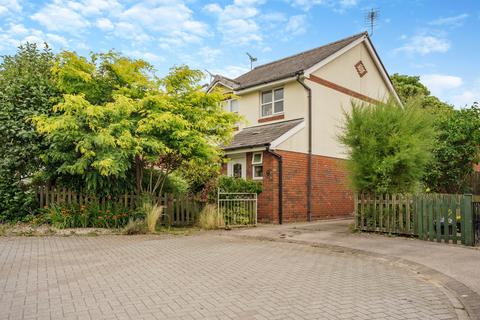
204	277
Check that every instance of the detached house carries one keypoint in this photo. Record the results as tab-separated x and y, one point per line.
294	109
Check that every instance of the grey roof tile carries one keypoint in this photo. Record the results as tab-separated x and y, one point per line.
290	66
261	135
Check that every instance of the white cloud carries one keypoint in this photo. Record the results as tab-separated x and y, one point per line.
173	19
17	34
146	55
424	44
439	83
454	21
467	95
137	21
466	98
104	24
336	5
453	89
296	25
231	71
209	55
59	17
237	21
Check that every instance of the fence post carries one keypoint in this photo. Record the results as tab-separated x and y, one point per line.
355	210
468	217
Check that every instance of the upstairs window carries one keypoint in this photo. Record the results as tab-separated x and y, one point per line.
231	105
272	102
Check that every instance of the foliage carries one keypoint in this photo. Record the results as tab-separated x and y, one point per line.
26	89
456	151
209	218
410	87
231	184
116	121
110	215
389	146
237	215
135	226
152	214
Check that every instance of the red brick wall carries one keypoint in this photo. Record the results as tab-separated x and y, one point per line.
331	197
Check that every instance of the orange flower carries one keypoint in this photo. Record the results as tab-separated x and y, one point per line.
100	217
108	211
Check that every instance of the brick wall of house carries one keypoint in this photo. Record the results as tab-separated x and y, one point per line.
331	197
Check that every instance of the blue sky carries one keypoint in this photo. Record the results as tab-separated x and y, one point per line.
438	40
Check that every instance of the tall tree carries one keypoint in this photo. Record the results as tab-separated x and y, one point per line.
27	89
456	149
116	121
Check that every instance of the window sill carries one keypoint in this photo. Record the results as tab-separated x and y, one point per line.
272	118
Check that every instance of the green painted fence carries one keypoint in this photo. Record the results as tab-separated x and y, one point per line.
445	218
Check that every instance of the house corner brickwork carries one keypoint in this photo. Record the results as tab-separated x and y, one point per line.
331	196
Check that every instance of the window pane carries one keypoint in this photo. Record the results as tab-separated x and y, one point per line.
258	171
266	110
278	106
257	158
237	170
278	94
267	97
234	106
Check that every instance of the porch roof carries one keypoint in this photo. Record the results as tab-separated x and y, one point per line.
261	136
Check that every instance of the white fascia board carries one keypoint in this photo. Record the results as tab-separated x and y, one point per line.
382	70
284	137
244	150
333	56
265	85
219	82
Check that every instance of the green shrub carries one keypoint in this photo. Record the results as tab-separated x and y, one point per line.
109	215
231	184
389	146
237	215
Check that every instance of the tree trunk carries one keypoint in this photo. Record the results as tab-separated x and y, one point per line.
138	174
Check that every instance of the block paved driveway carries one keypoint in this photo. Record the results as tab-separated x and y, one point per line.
207	276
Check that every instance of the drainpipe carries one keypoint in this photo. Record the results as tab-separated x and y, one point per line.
309	163
280	183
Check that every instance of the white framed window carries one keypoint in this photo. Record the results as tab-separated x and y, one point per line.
257	165
237	170
231	105
237	167
272	102
257	158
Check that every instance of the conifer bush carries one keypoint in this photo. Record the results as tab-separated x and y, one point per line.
389	146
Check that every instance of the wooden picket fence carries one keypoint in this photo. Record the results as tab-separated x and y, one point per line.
434	217
180	210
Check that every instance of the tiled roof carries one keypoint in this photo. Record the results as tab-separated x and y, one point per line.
259	136
290	66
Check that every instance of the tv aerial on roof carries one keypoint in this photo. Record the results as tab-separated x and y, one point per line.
371	19
252	59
